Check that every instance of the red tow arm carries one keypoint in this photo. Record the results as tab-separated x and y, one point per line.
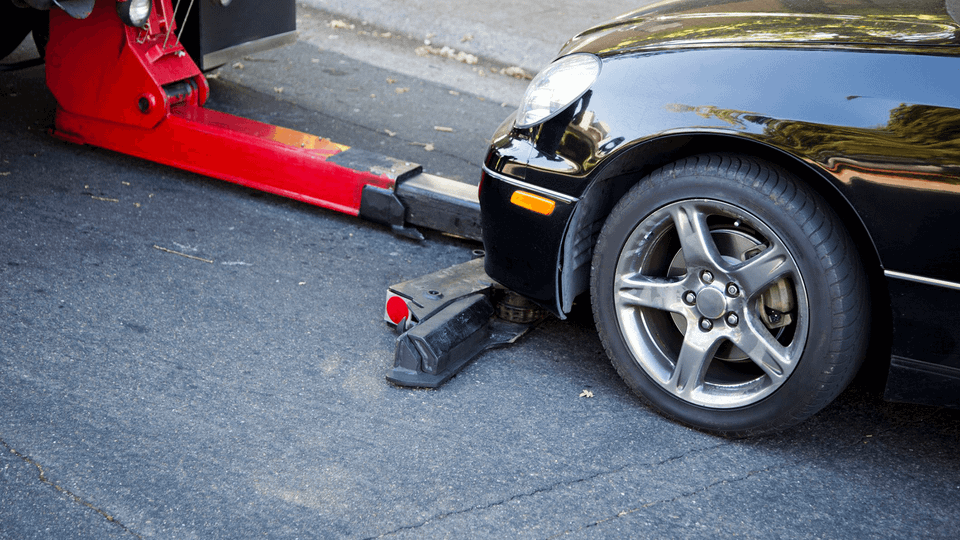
136	91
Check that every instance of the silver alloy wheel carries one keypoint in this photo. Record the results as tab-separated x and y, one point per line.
732	260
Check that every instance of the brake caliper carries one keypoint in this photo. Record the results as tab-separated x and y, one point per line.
776	303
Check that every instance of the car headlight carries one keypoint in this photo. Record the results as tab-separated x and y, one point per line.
557	87
135	13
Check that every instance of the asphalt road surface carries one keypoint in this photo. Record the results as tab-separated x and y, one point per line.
144	394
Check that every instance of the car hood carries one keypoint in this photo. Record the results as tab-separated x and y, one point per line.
675	24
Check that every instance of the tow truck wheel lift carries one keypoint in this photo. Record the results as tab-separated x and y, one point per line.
135	90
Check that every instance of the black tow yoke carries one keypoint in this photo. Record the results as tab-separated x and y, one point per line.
455	314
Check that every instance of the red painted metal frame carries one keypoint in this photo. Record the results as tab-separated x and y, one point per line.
108	80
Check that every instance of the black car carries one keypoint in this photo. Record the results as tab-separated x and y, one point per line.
753	194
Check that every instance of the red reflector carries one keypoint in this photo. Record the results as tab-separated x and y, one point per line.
397	309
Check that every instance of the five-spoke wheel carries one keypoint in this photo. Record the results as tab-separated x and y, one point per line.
729	296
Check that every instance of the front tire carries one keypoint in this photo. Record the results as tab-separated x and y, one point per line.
729	296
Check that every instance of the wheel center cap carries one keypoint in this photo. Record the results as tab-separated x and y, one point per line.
711	303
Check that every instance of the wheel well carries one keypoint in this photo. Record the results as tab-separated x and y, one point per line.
626	170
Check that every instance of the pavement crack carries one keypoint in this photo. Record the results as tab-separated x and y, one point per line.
863	439
547	489
702	489
42	475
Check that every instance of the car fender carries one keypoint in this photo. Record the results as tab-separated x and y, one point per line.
830	115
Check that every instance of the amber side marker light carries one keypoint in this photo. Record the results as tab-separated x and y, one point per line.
534	203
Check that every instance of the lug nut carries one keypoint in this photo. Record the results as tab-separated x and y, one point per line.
690	297
706	325
733	319
706	276
732	289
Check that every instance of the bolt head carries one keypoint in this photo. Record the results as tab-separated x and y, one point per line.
733	319
690	298
707	276
706	325
732	289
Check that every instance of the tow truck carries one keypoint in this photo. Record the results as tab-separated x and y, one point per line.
127	78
